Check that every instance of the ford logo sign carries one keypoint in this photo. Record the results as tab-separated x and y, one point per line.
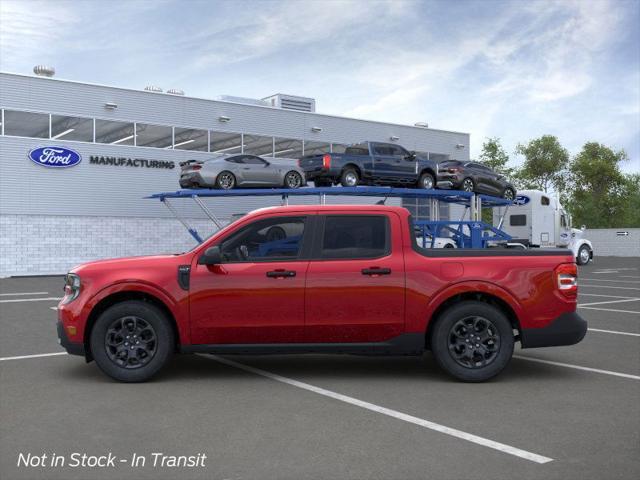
521	200
55	157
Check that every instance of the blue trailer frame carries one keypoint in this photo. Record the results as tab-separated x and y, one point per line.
473	233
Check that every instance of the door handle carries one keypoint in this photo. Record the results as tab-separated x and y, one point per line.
246	168
376	271
281	273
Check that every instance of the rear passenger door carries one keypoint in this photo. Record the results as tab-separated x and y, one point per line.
355	281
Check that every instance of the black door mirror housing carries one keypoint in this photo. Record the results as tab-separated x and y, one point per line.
211	256
411	156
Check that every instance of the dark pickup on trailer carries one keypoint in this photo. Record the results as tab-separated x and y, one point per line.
371	163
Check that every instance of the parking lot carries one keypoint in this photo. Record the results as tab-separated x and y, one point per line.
567	412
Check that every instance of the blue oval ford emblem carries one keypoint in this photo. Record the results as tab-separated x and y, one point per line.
521	200
55	157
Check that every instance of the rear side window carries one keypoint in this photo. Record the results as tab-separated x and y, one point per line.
518	220
544	200
355	236
357	149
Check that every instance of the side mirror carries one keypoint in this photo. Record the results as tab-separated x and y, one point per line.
211	256
411	156
583	227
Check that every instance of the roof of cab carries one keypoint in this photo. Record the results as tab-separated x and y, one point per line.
332	208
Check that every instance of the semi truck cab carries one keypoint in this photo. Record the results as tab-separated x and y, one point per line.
538	220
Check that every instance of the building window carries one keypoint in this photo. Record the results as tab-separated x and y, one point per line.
115	133
191	139
258	145
156	136
316	148
26	124
287	148
226	143
71	128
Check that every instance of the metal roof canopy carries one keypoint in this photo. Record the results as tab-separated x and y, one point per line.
472	201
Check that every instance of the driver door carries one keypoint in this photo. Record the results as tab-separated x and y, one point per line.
257	294
259	171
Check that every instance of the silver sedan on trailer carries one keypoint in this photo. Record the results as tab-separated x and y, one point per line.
232	171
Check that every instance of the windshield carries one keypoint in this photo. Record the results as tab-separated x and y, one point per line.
234	218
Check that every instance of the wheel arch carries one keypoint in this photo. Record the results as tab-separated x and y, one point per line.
428	170
490	298
354	166
122	296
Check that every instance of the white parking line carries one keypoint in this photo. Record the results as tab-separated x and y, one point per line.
485	442
582	294
608	301
22	293
581	285
39	355
578	367
614	281
614	331
15	300
610	310
53	308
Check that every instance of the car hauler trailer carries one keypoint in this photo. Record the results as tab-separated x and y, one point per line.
433	233
538	220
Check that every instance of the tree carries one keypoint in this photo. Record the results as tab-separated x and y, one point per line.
545	164
495	157
600	195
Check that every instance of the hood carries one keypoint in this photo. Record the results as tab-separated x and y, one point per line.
128	263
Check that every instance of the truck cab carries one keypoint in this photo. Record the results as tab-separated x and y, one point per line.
538	220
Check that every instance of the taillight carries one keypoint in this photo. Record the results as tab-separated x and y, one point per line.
567	279
326	161
453	170
299	162
196	167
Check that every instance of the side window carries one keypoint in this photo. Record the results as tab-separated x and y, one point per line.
355	236
544	201
563	221
253	160
238	159
398	151
266	240
518	220
382	150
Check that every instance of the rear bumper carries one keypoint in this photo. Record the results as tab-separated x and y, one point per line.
193	179
568	329
70	347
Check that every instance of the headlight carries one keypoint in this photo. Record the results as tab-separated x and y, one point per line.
71	288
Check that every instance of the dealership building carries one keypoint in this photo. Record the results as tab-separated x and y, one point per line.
129	144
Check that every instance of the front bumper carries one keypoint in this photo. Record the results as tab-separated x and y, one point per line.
70	347
568	329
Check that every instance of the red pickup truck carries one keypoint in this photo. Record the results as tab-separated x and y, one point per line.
321	279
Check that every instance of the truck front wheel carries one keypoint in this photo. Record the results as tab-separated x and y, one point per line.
584	255
131	341
472	341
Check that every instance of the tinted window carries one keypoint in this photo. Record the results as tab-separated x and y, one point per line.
26	124
397	151
357	149
383	150
238	159
518	220
351	236
115	133
72	128
157	136
252	160
544	200
270	239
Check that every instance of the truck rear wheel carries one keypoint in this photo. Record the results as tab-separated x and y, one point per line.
131	341
349	178
426	181
472	341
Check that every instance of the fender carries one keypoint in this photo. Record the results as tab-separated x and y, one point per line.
178	308
470	286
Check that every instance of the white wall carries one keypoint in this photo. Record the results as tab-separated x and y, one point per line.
607	242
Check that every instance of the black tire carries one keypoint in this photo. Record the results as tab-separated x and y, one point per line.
584	255
450	345
468	185
293	180
448	245
108	341
225	180
349	177
509	194
427	181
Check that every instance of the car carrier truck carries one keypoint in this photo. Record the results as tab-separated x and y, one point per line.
538	220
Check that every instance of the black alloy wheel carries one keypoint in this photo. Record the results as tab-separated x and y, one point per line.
293	179
509	194
130	342
226	180
467	185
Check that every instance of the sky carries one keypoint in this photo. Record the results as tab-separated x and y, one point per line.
510	69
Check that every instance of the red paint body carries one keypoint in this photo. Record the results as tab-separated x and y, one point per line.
328	300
